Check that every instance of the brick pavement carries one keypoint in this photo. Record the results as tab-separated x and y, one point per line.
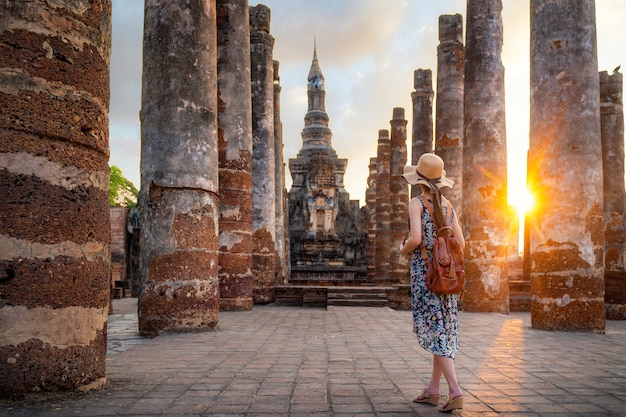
347	361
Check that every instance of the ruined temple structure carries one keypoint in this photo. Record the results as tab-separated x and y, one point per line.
326	243
209	231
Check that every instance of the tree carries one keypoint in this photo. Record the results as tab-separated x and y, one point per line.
122	192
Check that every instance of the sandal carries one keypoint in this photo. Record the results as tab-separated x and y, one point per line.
452	404
427	398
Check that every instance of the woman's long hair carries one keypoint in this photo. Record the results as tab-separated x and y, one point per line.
440	218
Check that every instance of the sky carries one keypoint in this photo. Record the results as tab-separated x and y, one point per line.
368	51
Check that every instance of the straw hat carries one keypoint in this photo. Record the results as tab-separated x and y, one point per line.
429	167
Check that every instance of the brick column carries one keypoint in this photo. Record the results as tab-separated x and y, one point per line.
281	192
235	155
565	168
370	202
383	206
612	132
422	132
485	204
264	159
449	113
54	195
399	199
179	168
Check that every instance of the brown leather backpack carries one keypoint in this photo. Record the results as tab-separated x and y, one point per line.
445	274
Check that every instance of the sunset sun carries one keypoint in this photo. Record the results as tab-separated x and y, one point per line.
523	201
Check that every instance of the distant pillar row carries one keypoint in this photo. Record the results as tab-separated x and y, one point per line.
264	159
565	168
179	195
485	175
449	113
383	207
422	131
54	221
235	155
612	133
399	199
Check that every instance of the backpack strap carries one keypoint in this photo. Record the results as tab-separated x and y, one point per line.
429	207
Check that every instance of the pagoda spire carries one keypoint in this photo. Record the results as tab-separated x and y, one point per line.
315	78
316	131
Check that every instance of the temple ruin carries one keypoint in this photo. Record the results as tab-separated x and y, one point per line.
217	230
325	240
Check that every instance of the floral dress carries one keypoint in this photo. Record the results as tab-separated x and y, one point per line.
435	317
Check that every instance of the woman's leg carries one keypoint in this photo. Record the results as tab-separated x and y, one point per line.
432	389
447	367
435	377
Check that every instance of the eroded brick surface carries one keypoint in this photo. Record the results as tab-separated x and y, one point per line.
55	282
33	366
37	211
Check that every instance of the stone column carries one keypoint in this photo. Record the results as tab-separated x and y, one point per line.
263	159
370	202
484	191
235	155
179	168
422	132
281	197
399	199
612	133
54	193
383	207
565	168
449	113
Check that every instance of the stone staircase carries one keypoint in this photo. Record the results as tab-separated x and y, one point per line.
519	289
353	293
357	297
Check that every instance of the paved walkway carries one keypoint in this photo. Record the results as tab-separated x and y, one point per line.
347	361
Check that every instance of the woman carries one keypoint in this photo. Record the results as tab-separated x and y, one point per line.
434	316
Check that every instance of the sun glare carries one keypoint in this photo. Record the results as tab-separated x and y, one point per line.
523	202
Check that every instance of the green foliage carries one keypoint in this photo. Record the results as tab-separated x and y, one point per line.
122	192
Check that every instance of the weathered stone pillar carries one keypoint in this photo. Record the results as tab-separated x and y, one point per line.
449	113
612	132
383	207
399	199
54	220
370	202
235	155
281	197
565	168
263	160
484	162
422	131
179	168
